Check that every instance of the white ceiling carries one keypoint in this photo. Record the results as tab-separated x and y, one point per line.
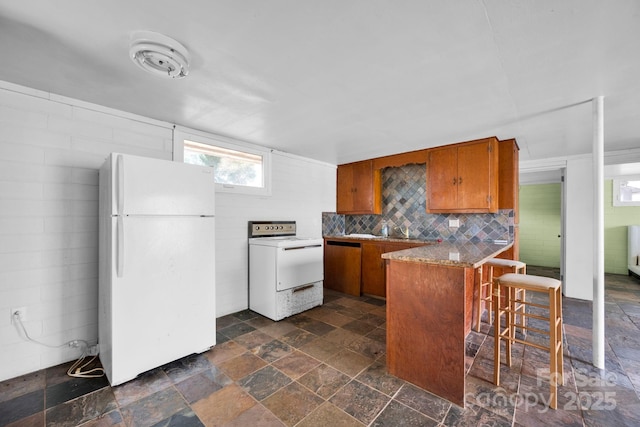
345	80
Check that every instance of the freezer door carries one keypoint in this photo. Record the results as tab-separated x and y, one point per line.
146	186
163	297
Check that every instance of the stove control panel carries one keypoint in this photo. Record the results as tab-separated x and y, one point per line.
271	228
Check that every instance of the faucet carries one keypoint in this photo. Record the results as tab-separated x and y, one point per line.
404	230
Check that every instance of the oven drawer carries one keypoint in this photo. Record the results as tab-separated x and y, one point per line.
294	301
298	265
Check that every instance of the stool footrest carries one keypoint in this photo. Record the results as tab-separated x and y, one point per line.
529	343
530	329
525	314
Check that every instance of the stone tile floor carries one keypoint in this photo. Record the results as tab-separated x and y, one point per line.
326	367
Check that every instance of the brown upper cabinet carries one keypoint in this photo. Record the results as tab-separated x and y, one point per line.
463	178
509	188
509	184
358	188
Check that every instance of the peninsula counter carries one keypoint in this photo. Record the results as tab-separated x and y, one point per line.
429	311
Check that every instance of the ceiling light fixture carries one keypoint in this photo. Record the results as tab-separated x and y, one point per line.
159	54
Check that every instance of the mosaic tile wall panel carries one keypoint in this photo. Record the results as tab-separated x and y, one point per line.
404	204
332	224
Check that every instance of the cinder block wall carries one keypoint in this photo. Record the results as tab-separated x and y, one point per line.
50	150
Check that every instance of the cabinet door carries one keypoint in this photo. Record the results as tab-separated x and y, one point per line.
508	177
344	188
474	176
358	189
373	266
373	269
442	178
342	267
363	180
463	178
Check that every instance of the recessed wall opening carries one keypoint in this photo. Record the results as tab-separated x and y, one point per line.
542	219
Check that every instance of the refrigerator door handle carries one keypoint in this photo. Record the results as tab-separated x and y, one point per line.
120	247
120	185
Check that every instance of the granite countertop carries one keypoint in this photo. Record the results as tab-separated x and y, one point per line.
458	254
370	237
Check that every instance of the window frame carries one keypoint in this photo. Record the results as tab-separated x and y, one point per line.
616	190
182	134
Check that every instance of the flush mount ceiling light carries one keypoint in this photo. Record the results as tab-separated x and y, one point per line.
159	54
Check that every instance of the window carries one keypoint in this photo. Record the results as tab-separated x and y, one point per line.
626	191
238	168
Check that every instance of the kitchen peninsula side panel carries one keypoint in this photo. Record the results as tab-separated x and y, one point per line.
427	323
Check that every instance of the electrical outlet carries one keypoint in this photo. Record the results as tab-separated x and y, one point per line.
93	350
454	223
22	311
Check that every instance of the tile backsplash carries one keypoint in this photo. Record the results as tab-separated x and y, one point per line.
404	204
333	224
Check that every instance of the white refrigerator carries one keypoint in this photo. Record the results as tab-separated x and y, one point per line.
156	294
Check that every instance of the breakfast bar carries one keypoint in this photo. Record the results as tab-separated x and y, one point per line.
429	311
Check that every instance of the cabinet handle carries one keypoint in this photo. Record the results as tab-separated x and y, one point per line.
454	180
460	181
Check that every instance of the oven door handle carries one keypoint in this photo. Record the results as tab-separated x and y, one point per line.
302	288
302	247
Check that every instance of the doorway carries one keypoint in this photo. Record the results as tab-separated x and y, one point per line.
542	219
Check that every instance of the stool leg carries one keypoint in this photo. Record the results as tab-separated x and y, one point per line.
490	295
510	328
521	308
560	336
524	307
553	349
479	308
496	333
523	316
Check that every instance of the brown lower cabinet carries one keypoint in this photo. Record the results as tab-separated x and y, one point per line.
373	269
342	266
356	267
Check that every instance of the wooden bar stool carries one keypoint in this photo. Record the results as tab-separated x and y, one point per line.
512	283
485	291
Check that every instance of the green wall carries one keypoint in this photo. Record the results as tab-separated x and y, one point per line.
616	219
540	226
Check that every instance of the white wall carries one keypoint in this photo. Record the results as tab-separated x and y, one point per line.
301	190
579	228
50	150
578	233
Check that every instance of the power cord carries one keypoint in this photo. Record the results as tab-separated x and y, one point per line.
77	368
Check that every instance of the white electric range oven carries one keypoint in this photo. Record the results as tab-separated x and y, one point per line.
285	271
